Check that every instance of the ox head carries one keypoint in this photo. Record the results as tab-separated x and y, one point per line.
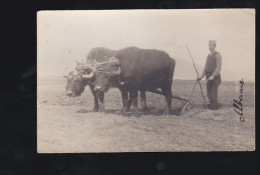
99	74
77	81
75	86
106	73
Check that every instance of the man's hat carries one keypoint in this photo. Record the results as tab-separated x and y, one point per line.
211	42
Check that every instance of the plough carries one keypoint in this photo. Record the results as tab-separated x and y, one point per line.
188	105
188	102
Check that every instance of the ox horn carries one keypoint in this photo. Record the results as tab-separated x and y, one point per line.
80	63
85	67
90	75
83	62
64	73
118	71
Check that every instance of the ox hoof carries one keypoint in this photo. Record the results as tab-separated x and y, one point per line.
145	110
123	113
128	108
167	114
94	110
137	114
101	110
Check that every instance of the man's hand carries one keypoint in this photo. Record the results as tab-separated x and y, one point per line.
211	77
199	78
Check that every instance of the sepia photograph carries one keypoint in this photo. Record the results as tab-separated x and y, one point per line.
179	80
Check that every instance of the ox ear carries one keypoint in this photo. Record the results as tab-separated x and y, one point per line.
118	71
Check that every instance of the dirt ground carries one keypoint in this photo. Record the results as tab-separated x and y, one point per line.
67	125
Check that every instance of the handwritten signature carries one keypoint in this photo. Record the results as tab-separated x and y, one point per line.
238	104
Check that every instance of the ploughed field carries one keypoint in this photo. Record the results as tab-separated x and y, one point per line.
67	124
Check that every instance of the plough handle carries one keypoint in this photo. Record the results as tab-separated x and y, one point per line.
205	103
173	96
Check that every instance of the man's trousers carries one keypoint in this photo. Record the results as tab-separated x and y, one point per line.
212	92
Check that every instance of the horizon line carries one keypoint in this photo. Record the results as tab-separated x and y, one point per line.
252	81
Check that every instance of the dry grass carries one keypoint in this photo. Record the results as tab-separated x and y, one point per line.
68	125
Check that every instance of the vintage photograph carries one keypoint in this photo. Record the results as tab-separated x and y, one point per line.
145	80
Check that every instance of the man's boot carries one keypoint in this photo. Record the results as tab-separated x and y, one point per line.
214	106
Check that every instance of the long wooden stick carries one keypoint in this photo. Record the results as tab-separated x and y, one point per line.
189	99
192	90
173	96
201	90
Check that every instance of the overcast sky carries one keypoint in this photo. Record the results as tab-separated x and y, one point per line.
66	36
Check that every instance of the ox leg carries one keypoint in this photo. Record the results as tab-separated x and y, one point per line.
134	96
168	96
125	101
129	103
96	105
101	100
143	101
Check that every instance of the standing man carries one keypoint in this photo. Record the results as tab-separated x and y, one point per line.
212	72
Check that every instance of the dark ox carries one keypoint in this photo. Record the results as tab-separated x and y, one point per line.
141	69
78	80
